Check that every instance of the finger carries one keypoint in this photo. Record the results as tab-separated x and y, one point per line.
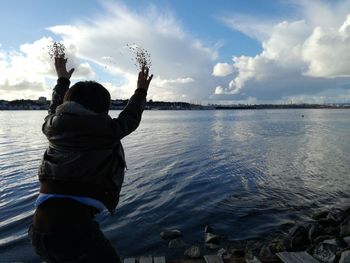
150	78
71	72
65	60
146	71
140	75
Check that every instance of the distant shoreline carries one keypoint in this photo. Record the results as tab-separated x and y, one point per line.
43	104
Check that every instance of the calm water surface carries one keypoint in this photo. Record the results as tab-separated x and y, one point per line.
246	173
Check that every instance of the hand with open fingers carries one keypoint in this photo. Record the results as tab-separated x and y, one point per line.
61	70
144	80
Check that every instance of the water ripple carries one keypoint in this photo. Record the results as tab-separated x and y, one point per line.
247	173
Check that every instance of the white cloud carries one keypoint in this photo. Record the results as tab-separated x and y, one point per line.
24	73
177	58
252	26
163	83
302	58
222	69
219	90
327	51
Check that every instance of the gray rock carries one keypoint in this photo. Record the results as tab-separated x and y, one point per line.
279	244
170	234
252	248
332	230
327	222
221	252
212	246
335	242
345	227
176	243
336	215
212	238
345	257
320	215
324	253
265	251
332	242
315	231
300	238
193	252
208	229
347	240
321	238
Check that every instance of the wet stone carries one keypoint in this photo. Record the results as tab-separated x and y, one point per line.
347	240
300	238
208	229
345	257
212	246
170	234
279	244
176	243
221	252
332	230
321	238
193	252
320	215
335	242
253	248
345	227
265	251
324	253
315	231
327	222
212	238
336	215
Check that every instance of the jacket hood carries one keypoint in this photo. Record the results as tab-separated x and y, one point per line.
74	108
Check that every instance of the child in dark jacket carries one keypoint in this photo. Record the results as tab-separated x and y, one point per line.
82	170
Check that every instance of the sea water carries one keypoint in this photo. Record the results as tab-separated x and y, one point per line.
245	173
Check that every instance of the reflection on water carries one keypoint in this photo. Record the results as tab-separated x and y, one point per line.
247	173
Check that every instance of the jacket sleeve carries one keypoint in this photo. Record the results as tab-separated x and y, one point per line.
58	93
129	119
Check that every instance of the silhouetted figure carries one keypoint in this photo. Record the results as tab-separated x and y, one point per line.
82	170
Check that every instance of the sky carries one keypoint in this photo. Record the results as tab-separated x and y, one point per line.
202	51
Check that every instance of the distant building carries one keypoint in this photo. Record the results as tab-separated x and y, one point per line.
42	100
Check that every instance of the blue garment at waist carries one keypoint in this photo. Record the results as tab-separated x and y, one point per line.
81	199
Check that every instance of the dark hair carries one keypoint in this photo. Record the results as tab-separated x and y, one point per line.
91	95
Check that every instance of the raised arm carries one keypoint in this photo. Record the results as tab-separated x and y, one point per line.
62	84
129	119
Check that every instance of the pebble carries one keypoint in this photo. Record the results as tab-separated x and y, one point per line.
221	252
347	240
212	238
320	215
208	229
321	238
324	253
176	243
193	252
212	246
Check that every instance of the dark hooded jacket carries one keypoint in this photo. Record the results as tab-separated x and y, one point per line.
85	156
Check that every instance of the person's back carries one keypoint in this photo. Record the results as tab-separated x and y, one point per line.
82	170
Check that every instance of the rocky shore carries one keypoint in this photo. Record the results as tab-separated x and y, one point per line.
326	238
